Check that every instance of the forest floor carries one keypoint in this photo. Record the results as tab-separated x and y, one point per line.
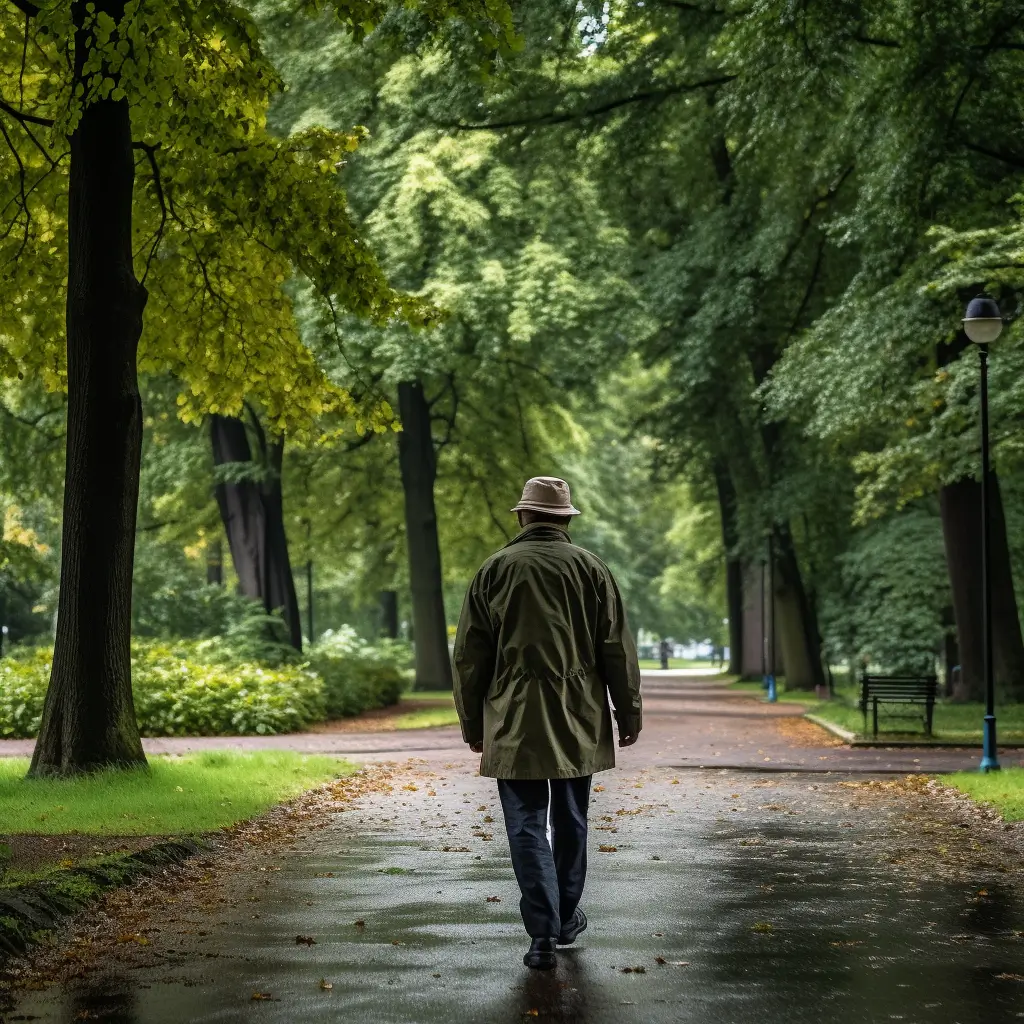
785	880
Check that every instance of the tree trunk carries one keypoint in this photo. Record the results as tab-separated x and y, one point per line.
419	467
279	585
797	625
960	509
215	563
389	614
252	511
89	716
733	567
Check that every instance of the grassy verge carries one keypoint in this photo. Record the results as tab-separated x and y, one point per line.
176	796
805	697
953	723
439	711
679	663
1002	790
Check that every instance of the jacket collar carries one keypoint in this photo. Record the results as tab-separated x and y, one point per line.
541	531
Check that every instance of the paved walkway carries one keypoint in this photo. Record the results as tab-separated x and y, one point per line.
727	896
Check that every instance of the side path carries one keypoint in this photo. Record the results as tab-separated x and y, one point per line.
714	896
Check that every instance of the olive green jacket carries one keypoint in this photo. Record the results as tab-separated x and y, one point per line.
542	644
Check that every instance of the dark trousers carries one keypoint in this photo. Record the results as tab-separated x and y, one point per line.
550	875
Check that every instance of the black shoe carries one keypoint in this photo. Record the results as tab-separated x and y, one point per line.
542	955
571	930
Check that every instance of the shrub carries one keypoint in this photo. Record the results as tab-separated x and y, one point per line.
24	675
358	675
207	687
184	696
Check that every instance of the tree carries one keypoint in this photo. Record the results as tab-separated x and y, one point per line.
251	507
229	211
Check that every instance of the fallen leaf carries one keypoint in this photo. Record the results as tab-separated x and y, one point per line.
599	789
762	926
488	819
326	985
360	923
608	849
263	997
305	940
533	1013
1006	976
639	969
493	899
397	942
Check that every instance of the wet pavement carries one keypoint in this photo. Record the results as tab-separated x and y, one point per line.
726	896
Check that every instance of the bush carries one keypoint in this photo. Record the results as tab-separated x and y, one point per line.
358	675
186	696
207	688
24	675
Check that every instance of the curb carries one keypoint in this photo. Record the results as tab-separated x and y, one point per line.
29	912
855	741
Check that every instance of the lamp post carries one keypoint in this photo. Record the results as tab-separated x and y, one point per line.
983	323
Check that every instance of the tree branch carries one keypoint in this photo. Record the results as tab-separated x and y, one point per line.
20	115
553	117
30	10
872	41
1007	158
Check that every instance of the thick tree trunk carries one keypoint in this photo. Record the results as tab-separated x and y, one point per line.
389	614
733	566
252	512
960	509
418	464
797	625
89	717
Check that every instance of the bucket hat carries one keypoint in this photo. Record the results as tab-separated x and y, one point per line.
547	494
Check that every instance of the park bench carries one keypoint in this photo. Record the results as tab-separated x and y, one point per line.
920	690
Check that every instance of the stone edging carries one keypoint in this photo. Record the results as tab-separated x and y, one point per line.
32	910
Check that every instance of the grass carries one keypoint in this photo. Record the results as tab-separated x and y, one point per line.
176	796
442	713
1002	790
678	663
953	723
805	697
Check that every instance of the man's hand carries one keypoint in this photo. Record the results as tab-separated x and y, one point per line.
477	748
628	741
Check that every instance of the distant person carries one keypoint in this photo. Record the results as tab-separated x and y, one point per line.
542	644
664	649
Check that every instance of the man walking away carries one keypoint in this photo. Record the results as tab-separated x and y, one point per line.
542	644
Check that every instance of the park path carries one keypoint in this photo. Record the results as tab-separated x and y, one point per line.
719	896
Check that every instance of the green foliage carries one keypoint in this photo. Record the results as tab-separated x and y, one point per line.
174	796
209	688
893	590
358	675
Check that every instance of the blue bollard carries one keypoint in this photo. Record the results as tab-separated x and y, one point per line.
772	695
